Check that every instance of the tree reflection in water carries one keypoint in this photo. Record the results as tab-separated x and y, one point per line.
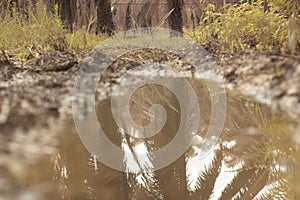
253	158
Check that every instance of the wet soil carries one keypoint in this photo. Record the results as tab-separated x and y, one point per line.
267	78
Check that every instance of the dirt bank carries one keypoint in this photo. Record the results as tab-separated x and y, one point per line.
265	77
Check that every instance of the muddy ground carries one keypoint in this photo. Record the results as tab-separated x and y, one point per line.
35	102
266	78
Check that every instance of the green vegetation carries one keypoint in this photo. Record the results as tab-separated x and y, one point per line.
247	26
29	33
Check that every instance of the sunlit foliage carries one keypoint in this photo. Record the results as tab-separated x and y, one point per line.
245	26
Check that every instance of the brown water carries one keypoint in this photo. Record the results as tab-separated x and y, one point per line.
254	157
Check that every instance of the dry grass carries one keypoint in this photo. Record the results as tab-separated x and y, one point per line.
36	31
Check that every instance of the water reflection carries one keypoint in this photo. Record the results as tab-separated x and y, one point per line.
253	158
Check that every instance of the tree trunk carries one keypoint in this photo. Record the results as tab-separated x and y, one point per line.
104	17
128	17
67	10
175	18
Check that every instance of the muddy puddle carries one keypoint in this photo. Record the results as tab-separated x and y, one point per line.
168	139
254	157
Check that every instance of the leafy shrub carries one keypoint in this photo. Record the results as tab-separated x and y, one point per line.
243	27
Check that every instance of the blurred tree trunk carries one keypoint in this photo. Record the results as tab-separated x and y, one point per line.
175	18
67	10
104	17
128	17
144	19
